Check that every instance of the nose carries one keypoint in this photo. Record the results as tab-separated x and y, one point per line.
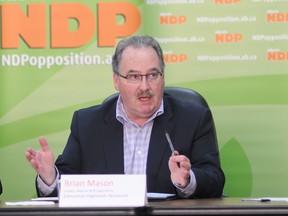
144	85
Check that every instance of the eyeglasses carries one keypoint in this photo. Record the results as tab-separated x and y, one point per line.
137	78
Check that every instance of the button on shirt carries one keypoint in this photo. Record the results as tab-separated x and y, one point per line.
136	140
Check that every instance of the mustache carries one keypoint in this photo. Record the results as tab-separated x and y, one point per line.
144	94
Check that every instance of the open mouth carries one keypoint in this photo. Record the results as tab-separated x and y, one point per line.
144	98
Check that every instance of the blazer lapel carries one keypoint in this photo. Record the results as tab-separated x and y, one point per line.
112	133
158	144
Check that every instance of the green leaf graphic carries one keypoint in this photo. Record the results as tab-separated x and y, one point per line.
237	170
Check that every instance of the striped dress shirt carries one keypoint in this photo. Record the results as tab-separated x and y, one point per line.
136	140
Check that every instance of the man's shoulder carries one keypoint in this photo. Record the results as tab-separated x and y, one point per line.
180	103
184	110
105	106
89	109
94	110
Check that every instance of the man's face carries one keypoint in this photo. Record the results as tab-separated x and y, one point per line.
141	99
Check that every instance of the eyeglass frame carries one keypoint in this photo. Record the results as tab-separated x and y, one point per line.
140	80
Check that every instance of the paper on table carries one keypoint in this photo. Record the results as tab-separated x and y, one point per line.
55	199
30	203
267	199
160	196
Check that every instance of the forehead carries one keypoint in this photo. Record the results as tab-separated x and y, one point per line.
139	51
139	58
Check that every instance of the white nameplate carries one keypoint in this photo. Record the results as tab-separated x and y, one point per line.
102	191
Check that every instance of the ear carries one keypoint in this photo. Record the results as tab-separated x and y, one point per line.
116	81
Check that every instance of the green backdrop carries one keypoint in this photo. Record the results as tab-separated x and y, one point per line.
233	52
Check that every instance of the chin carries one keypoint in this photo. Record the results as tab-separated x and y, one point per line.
147	113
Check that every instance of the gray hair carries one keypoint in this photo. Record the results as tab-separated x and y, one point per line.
136	42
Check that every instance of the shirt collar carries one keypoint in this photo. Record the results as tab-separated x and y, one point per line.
122	117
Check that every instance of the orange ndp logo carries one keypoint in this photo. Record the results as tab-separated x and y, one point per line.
226	1
172	20
228	37
276	17
33	26
175	58
277	55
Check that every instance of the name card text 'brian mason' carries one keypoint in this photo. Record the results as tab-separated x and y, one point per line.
102	191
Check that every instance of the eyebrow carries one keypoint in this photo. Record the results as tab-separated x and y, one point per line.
154	69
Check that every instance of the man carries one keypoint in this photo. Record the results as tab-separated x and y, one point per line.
127	135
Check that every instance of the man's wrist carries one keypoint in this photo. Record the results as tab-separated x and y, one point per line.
49	180
183	186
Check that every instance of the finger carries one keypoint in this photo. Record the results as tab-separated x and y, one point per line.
28	156
44	144
185	165
173	159
173	165
34	164
29	151
175	153
181	159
